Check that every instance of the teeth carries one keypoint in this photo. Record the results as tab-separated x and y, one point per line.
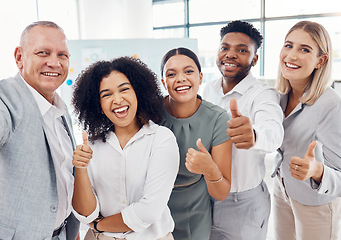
51	74
230	64
291	65
182	88
122	109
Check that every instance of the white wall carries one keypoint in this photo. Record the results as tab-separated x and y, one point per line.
95	19
116	19
15	15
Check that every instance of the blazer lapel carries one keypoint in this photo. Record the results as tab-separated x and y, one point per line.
67	125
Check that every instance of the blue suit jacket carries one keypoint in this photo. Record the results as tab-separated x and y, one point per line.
28	187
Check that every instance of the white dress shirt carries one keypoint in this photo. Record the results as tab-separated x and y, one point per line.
260	104
136	181
61	150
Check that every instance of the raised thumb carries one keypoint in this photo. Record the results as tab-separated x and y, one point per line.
85	138
310	152
234	108
201	147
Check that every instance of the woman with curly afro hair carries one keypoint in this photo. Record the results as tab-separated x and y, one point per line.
125	174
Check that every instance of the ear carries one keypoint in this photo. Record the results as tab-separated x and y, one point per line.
163	83
200	78
322	60
18	57
255	60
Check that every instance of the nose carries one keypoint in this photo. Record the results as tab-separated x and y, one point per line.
231	54
181	77
53	61
117	98
292	55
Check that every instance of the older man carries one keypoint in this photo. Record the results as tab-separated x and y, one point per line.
36	141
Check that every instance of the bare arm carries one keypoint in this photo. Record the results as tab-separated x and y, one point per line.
113	223
216	168
83	200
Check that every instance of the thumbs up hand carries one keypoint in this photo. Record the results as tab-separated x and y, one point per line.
240	129
307	167
234	108
200	161
83	153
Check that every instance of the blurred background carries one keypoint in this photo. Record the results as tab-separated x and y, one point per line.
160	19
103	29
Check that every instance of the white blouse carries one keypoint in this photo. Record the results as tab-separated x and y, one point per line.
136	181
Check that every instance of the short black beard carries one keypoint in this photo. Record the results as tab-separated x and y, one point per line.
242	74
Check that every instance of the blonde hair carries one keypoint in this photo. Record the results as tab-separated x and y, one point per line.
320	77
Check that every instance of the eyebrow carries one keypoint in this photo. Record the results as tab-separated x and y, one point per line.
302	45
238	45
121	85
188	66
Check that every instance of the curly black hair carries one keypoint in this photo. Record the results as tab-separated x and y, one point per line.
86	97
243	27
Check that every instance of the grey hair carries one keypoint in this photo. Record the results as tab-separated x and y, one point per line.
38	23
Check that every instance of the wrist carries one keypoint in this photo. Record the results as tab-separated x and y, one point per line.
212	171
318	172
254	136
214	176
215	181
96	222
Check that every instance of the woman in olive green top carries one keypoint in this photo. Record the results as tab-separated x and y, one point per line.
205	150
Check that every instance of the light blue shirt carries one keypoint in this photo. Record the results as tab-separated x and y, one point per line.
319	122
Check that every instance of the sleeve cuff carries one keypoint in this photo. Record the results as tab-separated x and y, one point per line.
133	221
323	187
314	185
257	139
89	218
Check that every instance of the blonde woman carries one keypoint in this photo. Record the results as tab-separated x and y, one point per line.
308	183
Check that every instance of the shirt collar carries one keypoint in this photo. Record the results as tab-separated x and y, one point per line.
45	105
147	129
240	88
284	101
244	85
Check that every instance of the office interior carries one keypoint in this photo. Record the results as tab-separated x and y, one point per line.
165	23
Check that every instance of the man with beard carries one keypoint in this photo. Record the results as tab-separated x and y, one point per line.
255	129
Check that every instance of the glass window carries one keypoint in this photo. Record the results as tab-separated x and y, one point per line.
276	8
168	13
208	43
222	10
13	20
275	33
64	14
332	25
169	33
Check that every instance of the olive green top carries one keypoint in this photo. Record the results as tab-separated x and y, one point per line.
209	123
